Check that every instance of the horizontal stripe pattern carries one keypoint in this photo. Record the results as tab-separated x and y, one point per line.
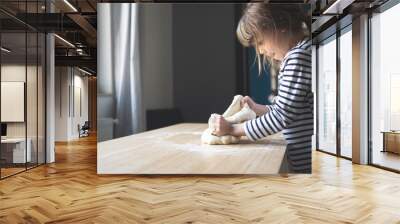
292	110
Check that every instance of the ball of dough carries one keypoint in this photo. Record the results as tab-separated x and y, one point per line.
208	138
235	114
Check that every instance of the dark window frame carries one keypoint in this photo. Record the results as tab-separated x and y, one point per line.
31	30
332	36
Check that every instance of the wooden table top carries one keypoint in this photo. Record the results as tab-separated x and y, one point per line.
177	149
390	132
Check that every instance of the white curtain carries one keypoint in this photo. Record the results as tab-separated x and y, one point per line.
119	81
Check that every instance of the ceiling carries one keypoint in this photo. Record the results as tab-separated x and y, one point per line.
74	22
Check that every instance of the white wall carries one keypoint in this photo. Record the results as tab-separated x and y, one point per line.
33	126
12	73
68	81
79	118
61	103
12	100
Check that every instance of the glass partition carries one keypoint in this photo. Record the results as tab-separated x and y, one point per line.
22	78
32	96
14	153
345	57
327	95
385	89
41	109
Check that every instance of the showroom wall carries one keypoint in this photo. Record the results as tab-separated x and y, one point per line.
183	61
71	102
155	33
188	60
204	59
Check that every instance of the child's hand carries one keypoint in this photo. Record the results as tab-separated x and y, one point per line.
257	108
221	126
249	102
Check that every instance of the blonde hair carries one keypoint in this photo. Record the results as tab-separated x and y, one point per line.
260	19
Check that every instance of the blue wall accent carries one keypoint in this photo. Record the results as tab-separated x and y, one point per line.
259	84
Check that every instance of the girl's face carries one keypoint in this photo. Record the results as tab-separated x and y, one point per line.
275	48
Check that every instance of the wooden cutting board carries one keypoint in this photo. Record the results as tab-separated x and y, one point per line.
177	149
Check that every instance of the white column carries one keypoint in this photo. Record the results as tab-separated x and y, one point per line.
360	90
50	93
50	99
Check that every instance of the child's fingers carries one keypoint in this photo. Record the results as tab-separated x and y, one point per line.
243	101
247	100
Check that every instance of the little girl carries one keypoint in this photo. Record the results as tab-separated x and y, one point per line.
280	33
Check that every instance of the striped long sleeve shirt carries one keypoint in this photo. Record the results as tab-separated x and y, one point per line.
292	110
